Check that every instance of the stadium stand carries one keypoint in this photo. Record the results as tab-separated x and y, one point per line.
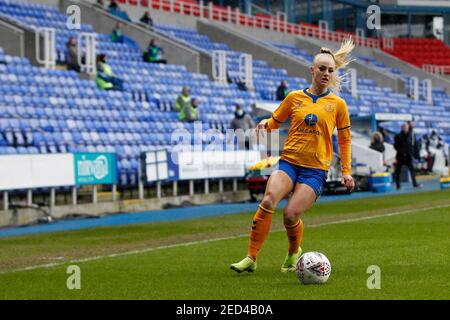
216	12
421	52
64	113
373	99
266	79
55	111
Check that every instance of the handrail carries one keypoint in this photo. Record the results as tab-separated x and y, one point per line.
159	34
436	69
49	60
274	23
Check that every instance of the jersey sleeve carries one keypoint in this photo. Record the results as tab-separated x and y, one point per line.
344	137
342	116
282	113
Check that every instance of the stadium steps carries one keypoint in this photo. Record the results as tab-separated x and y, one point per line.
410	69
175	52
239	41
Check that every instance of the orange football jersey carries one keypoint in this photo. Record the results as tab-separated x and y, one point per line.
313	120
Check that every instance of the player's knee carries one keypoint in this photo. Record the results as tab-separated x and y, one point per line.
268	201
291	216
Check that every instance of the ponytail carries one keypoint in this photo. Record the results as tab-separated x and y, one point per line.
341	59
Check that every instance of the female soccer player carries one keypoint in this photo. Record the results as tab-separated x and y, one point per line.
314	113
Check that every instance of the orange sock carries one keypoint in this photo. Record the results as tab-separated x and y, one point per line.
260	229
294	234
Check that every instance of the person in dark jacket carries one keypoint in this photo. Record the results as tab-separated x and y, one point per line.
147	20
282	90
72	55
404	146
415	143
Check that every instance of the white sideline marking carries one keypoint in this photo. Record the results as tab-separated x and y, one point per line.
127	253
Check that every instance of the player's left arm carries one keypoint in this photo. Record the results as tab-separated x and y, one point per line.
345	144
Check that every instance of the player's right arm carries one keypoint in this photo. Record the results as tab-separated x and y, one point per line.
280	115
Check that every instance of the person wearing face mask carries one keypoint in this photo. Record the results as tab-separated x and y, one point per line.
244	122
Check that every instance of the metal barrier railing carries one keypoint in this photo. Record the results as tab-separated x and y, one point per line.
388	43
275	23
10	200
427	87
219	66
90	43
49	59
413	88
246	70
436	69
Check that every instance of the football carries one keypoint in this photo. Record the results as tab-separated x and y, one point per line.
313	268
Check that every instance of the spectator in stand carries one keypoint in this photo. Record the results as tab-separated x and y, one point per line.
282	90
72	55
147	20
190	112
153	53
117	34
377	142
244	122
183	99
405	154
114	9
113	5
241	119
105	78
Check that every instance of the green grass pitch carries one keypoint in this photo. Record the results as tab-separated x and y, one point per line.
406	236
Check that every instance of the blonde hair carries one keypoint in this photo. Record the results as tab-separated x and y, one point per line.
341	59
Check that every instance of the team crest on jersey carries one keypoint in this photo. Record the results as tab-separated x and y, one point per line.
311	119
329	107
299	104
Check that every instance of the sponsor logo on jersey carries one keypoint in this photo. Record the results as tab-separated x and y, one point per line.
311	119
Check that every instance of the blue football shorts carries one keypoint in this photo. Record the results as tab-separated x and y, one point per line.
315	178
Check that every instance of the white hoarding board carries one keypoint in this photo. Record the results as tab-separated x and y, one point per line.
36	171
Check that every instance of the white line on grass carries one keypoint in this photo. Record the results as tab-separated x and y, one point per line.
127	253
